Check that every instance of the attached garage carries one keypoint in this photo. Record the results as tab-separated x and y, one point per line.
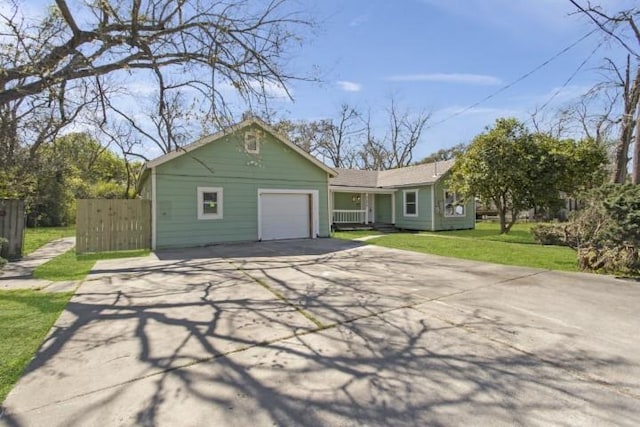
244	184
287	214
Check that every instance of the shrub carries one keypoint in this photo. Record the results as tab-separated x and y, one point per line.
550	234
606	233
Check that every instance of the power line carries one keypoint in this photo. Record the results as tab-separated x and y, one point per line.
516	81
571	77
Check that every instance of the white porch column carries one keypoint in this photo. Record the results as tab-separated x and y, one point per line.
365	196
393	208
330	206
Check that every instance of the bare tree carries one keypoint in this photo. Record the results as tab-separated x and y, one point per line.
406	132
630	88
311	136
373	154
165	122
395	149
333	141
121	134
341	146
592	116
622	27
53	68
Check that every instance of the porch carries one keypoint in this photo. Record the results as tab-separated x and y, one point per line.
354	226
365	208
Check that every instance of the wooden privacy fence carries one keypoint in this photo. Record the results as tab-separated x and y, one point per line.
104	225
11	227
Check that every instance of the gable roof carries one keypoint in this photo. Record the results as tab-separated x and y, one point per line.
410	175
234	128
355	178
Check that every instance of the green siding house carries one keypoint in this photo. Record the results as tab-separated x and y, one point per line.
245	183
249	183
410	198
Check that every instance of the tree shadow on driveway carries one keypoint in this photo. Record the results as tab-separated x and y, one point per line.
225	341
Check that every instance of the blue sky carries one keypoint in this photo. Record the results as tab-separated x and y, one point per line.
442	56
438	56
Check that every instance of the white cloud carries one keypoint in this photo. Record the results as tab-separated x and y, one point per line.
459	110
558	94
462	78
348	86
359	20
518	16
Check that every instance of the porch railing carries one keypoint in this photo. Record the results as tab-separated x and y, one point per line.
349	216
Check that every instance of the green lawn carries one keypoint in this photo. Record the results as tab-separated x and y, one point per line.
68	266
36	237
525	255
350	235
485	243
25	318
519	233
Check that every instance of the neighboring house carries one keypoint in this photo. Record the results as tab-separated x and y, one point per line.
411	198
250	183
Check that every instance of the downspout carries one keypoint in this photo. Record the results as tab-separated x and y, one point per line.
433	207
329	206
433	196
393	208
154	204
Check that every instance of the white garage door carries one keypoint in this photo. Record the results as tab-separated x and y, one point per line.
284	216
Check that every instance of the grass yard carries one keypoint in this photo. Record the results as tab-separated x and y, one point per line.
36	237
350	235
524	255
484	243
519	233
70	266
25	318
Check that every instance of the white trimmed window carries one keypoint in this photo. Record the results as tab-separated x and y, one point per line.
453	204
209	203
252	141
410	202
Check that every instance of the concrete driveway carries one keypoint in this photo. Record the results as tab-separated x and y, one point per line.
329	333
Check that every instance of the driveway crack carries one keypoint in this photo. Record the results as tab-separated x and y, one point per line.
281	297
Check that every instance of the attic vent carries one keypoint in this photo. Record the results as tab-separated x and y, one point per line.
252	140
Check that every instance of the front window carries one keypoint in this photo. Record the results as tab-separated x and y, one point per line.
209	203
453	204
411	203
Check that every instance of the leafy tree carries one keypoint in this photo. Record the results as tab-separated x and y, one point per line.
515	170
566	166
75	166
499	167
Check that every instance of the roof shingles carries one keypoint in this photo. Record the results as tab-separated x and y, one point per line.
410	175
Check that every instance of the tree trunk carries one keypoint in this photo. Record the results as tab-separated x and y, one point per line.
621	154
631	96
635	169
503	221
514	218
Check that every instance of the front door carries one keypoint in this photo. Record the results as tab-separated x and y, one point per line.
384	210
